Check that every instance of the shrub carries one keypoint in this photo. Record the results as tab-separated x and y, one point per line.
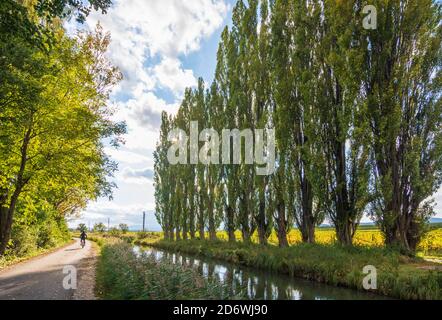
23	242
114	232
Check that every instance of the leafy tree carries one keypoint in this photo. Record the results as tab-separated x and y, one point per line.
124	228
82	227
402	90
261	77
245	24
54	132
280	36
163	180
80	9
344	129
227	84
200	100
99	227
356	114
114	232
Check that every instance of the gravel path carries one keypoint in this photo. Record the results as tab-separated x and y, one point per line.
51	276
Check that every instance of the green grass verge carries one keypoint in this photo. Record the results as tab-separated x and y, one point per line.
122	275
398	276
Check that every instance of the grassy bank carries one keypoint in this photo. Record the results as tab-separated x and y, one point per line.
398	276
122	275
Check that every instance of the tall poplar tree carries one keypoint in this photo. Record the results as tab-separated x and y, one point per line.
402	88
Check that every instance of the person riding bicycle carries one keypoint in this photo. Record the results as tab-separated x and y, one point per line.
83	237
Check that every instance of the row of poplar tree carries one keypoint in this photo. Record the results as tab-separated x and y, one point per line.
357	115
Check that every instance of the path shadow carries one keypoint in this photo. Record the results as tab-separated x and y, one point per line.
46	285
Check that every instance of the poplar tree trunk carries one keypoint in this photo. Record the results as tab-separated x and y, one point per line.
185	231
231	224
282	226
201	226
246	237
344	234
192	221
308	220
262	226
178	234
212	229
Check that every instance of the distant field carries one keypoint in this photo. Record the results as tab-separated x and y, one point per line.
366	236
436	225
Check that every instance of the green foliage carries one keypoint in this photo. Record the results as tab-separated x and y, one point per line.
146	238
357	117
124	228
28	239
82	227
99	227
66	8
404	109
53	118
114	232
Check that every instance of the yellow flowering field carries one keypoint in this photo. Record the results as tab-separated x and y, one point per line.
432	242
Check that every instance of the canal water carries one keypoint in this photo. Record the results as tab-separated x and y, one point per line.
257	284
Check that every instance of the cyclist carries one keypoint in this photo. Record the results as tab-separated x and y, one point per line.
83	237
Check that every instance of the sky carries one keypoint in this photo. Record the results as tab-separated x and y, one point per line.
161	47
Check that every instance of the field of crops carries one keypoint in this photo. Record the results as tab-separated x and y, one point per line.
371	237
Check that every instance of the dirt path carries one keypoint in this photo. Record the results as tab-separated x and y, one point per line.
43	278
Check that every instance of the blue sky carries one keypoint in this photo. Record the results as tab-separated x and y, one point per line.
161	47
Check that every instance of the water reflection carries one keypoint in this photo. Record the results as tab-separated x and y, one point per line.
256	284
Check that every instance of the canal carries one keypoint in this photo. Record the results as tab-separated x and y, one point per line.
257	284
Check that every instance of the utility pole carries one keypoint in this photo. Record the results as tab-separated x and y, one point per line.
144	219
108	224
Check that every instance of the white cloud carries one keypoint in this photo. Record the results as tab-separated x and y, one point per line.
149	37
168	27
143	117
171	76
438	204
102	210
144	29
138	176
146	109
127	157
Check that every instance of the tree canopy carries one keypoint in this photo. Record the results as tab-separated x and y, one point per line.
54	118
